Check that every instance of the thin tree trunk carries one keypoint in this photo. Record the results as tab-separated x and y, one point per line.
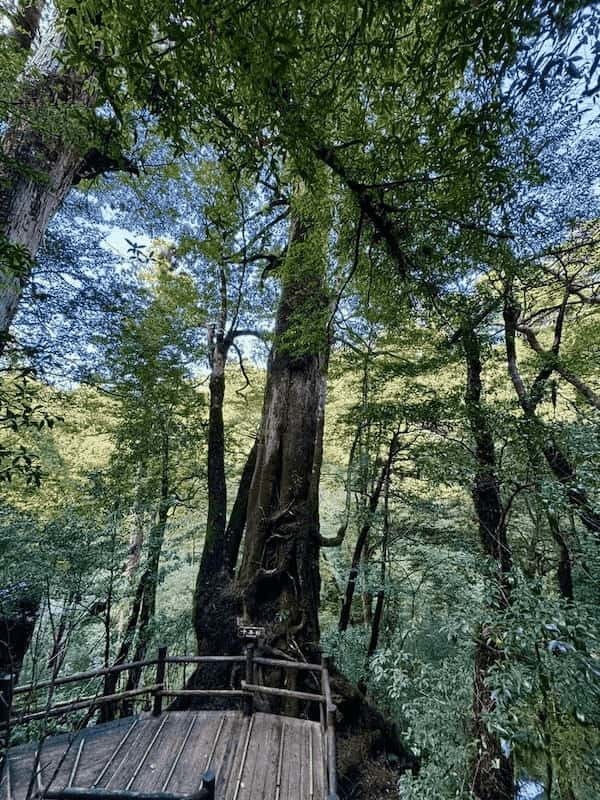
237	519
217	603
556	459
564	573
376	624
144	602
367	594
150	577
217	485
60	634
136	541
363	537
213	572
380	602
493	772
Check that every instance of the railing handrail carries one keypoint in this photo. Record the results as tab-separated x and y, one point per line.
78	705
185	659
83	676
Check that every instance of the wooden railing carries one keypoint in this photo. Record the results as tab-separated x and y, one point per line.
159	689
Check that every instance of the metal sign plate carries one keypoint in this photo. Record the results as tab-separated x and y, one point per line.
247	631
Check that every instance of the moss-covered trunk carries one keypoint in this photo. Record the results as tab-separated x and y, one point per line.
279	574
37	166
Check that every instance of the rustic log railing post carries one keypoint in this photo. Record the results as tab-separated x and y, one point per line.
161	666
6	692
208	785
249	704
330	710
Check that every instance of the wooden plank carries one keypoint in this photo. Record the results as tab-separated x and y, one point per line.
59	753
162	754
318	761
241	760
187	775
115	752
225	751
142	760
52	755
120	772
179	752
105	746
141	754
259	777
295	780
230	761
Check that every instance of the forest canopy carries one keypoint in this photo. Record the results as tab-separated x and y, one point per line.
298	328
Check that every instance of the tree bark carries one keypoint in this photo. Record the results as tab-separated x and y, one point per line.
150	577
376	624
237	519
37	167
486	487
564	572
493	771
279	574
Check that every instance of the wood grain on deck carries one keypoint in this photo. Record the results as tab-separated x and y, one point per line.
283	757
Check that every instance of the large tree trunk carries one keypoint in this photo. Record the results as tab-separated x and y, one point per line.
37	167
279	574
493	776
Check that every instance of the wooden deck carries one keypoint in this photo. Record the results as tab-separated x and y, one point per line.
253	757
